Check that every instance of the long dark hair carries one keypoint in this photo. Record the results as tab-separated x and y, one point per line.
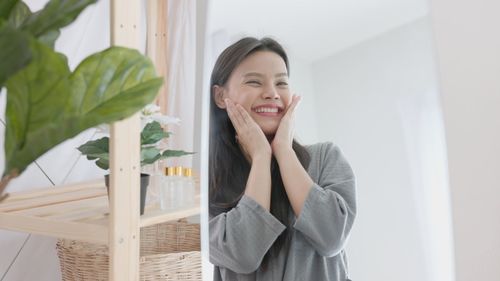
228	167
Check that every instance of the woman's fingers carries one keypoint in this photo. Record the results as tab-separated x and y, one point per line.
249	135
244	114
239	113
293	105
233	116
296	102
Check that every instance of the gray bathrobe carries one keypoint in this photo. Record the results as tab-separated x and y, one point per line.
240	238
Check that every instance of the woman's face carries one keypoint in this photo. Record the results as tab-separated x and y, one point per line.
259	84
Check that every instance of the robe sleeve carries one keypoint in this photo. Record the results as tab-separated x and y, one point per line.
329	210
240	238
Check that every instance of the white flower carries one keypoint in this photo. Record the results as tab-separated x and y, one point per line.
152	113
165	120
150	109
102	129
149	113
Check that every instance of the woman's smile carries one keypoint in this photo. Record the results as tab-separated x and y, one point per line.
268	110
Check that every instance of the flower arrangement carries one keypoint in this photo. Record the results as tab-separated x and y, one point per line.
152	140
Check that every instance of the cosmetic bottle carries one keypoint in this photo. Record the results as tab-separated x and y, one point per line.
179	191
156	174
170	186
188	187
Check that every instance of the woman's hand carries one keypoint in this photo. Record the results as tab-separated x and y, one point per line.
249	135
283	139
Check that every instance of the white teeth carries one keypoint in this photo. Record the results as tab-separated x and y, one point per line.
266	109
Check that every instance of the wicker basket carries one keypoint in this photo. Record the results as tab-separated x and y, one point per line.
169	251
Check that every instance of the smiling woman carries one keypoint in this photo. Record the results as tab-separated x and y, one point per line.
278	210
260	85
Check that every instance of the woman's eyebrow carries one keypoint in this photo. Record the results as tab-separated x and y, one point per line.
253	74
261	75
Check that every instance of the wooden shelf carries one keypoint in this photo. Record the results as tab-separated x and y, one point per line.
77	211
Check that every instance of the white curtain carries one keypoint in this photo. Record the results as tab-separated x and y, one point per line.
181	77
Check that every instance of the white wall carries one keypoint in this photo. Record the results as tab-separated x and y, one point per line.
371	100
301	83
468	44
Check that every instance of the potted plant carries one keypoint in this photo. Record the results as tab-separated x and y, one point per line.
47	103
153	137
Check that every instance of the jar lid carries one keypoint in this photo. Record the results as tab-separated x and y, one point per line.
178	171
188	172
169	171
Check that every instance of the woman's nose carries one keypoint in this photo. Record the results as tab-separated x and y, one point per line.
270	93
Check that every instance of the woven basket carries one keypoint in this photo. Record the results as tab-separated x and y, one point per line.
169	251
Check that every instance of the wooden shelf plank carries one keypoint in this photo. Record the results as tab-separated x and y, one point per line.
55	210
160	216
77	215
52	196
52	190
77	211
152	215
43	226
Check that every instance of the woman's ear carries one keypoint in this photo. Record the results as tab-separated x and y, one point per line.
219	96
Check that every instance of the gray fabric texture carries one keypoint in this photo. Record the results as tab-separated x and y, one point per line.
240	238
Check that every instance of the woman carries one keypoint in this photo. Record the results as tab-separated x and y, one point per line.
278	210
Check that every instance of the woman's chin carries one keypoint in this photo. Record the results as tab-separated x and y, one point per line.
269	130
269	125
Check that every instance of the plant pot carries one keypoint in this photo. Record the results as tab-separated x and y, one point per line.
144	188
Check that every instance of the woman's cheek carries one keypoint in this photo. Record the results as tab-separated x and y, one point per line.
287	100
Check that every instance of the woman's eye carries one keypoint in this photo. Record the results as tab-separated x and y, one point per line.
253	82
282	84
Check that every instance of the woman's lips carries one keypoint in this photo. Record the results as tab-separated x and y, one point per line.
268	110
269	114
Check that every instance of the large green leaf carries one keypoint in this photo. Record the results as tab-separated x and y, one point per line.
50	38
46	104
55	15
6	7
15	52
15	17
19	14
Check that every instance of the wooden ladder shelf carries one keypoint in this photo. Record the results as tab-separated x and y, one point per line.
83	211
